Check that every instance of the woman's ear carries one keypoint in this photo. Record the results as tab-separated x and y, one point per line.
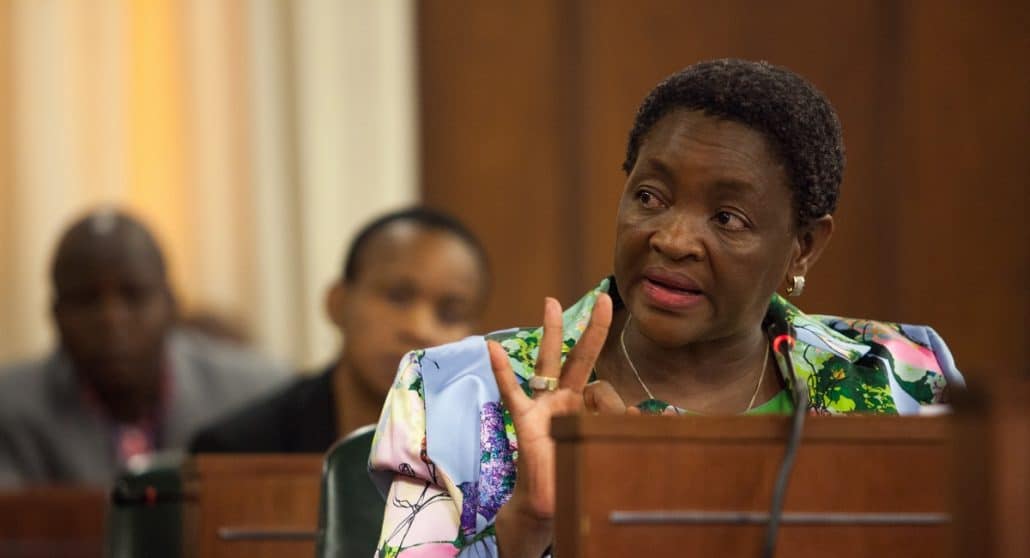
335	300
809	245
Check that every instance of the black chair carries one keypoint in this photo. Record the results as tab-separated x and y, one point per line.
145	517
350	512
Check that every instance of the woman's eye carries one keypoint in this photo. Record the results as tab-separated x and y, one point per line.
450	315
400	296
731	221
648	200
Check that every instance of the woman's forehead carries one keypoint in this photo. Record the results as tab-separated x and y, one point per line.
686	129
405	245
690	142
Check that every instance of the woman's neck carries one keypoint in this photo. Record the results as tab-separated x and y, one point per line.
356	404
716	376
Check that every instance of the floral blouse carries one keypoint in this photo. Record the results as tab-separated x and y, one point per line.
445	448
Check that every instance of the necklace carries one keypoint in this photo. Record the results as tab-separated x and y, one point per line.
636	374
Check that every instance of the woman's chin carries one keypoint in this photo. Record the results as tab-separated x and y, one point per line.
670	330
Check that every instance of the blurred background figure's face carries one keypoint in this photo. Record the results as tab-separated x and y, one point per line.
415	288
113	309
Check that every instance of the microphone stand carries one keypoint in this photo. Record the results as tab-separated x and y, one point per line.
782	343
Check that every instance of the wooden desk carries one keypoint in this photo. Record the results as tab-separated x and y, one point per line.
992	462
613	471
251	505
52	523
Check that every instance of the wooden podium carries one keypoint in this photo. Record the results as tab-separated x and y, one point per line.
701	486
251	505
47	522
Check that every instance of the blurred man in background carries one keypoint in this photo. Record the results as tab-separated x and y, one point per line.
124	381
412	278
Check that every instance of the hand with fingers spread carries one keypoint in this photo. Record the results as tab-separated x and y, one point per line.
524	524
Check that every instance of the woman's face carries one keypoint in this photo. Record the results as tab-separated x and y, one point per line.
705	230
415	288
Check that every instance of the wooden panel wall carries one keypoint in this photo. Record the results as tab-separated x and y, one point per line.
965	94
493	149
526	107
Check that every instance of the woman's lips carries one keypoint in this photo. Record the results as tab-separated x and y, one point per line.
669	298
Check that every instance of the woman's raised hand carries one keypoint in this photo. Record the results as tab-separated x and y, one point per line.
524	523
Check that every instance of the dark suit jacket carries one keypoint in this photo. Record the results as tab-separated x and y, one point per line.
49	434
298	419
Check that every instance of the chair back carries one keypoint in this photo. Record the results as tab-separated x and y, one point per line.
351	508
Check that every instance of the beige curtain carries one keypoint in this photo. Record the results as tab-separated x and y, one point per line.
253	136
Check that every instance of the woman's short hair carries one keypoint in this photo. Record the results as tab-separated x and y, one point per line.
790	112
425	217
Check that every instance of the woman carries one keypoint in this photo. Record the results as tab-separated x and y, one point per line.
733	171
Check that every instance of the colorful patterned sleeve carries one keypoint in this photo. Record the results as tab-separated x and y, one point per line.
421	518
425	455
924	366
874	366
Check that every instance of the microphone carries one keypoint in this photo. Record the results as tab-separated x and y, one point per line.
125	494
783	339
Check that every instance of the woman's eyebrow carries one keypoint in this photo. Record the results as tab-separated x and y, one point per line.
738	186
655	166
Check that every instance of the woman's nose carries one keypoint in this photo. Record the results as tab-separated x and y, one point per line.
420	328
680	237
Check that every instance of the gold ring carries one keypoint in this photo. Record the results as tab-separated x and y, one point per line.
543	383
